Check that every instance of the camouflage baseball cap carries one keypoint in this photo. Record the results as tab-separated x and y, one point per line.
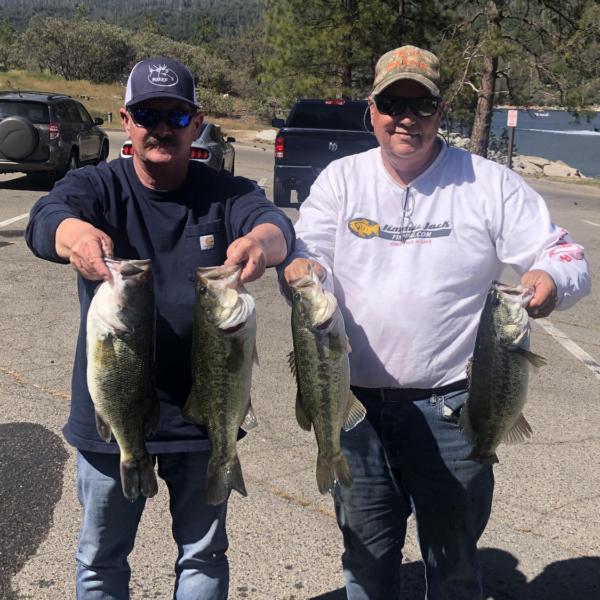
408	62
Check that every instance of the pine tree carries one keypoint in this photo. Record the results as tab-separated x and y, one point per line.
329	48
499	42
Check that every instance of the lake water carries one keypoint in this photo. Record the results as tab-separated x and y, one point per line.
555	137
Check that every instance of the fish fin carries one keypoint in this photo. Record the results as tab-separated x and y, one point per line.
220	478
152	418
292	363
250	422
138	476
355	413
331	470
535	359
255	355
482	459
103	427
301	416
348	347
190	412
464	423
519	432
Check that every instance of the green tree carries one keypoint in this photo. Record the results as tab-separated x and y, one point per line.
515	49
150	25
330	47
320	47
7	39
78	49
82	12
207	35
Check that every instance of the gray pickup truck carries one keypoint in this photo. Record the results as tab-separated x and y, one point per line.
316	133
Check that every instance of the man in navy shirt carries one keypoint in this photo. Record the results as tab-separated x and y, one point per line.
159	206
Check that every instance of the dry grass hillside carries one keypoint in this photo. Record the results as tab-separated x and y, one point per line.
105	98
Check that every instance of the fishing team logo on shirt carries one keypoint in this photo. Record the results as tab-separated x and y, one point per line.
367	229
566	251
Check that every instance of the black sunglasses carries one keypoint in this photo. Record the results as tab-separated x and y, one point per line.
394	106
148	118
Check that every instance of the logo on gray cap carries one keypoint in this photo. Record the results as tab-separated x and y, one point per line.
162	75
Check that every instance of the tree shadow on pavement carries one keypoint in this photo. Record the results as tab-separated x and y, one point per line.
32	460
573	579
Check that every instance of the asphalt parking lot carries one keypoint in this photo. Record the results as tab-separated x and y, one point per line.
543	539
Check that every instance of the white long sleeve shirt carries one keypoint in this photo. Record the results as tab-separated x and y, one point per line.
412	284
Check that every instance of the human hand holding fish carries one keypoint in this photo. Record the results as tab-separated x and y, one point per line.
546	295
85	247
298	268
264	246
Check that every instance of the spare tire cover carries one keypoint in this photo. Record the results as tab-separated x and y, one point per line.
18	138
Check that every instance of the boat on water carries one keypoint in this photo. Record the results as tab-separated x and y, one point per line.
541	114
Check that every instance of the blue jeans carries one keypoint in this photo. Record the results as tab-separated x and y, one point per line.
110	523
406	457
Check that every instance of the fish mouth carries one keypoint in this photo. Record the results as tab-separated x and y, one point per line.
515	294
130	269
222	276
236	303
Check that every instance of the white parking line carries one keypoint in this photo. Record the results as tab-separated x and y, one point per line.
571	346
9	221
594	224
262	182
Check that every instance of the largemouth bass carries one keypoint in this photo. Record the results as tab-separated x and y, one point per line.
320	363
121	365
223	350
498	374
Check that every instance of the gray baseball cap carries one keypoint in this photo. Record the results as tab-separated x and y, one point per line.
160	78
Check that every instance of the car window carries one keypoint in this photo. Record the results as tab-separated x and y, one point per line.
85	116
330	116
74	116
36	112
215	135
62	112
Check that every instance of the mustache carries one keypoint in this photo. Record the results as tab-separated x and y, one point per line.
165	141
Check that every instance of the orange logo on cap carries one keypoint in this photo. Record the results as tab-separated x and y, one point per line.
408	59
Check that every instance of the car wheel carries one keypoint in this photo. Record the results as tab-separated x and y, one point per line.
73	161
72	164
232	170
103	154
281	193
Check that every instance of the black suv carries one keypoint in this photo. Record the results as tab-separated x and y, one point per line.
41	132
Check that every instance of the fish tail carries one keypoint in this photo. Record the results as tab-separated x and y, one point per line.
330	470
222	477
482	458
137	476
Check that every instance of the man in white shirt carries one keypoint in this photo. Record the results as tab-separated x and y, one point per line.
409	238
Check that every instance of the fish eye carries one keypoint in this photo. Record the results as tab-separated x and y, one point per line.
202	290
496	301
296	297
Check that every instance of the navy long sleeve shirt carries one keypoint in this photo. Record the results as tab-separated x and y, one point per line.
172	229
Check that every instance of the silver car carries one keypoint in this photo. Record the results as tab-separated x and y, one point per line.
210	148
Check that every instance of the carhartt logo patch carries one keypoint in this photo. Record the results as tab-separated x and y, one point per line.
207	242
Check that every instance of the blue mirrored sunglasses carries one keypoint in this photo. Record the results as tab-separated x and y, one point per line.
148	118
